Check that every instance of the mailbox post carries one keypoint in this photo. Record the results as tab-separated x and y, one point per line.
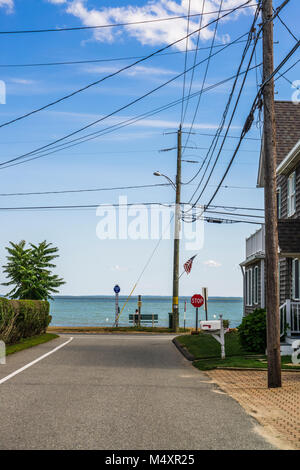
216	329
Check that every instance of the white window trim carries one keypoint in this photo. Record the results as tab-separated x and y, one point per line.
249	297
255	281
279	208
294	280
291	194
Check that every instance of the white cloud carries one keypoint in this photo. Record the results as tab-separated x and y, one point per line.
8	4
212	264
152	123
22	81
156	33
138	70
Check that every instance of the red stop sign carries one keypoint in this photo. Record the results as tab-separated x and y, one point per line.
197	300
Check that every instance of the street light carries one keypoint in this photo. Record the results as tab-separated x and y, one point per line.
158	173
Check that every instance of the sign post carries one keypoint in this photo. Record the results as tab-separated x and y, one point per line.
139	310
117	290
205	296
197	301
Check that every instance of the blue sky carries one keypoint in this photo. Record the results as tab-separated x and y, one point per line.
128	156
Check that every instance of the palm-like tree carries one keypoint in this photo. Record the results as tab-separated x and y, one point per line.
29	271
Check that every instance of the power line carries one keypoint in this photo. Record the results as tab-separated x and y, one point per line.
232	213
113	73
113	25
229	136
113	59
108	130
287	28
239	208
90	190
204	79
250	117
216	138
256	103
195	59
112	113
185	59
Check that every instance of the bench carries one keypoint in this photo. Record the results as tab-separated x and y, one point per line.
144	318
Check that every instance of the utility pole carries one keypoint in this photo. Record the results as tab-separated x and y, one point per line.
271	226
175	312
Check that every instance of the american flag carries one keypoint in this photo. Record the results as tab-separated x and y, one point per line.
188	265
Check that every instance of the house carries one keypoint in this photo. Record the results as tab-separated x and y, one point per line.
287	118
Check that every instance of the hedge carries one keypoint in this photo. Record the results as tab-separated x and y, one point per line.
21	319
253	331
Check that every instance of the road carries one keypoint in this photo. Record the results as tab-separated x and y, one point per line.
117	392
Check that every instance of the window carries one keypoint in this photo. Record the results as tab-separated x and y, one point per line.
291	194
296	279
279	203
249	287
255	284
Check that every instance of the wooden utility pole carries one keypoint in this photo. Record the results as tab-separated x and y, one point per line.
175	311
271	226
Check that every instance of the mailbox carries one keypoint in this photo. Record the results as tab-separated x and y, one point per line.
211	325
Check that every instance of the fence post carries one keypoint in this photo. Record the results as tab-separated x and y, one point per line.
152	320
2	353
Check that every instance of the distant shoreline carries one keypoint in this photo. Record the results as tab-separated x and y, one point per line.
183	297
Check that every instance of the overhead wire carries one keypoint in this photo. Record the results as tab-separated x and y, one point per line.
112	25
110	114
113	74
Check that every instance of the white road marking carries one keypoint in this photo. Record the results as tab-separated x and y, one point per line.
35	361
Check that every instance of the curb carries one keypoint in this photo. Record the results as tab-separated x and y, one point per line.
183	350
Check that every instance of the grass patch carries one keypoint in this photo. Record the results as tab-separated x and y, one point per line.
259	362
205	346
30	342
207	352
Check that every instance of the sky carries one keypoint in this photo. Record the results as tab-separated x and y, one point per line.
128	156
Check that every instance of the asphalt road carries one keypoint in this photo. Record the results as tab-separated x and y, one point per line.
117	392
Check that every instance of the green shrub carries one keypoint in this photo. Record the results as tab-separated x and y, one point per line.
253	332
21	319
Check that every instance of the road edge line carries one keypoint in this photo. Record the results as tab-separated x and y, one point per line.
18	371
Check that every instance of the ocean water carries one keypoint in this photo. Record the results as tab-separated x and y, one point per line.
100	310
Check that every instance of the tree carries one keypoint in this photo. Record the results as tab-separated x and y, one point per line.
29	271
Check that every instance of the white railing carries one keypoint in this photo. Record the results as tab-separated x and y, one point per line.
290	318
255	243
295	317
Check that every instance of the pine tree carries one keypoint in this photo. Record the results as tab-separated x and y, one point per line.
29	270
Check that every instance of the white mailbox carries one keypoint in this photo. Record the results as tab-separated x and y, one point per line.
211	325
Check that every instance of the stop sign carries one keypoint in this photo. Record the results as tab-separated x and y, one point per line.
197	300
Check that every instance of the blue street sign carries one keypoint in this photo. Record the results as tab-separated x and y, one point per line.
117	289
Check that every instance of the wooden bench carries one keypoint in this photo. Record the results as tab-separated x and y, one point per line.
144	318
